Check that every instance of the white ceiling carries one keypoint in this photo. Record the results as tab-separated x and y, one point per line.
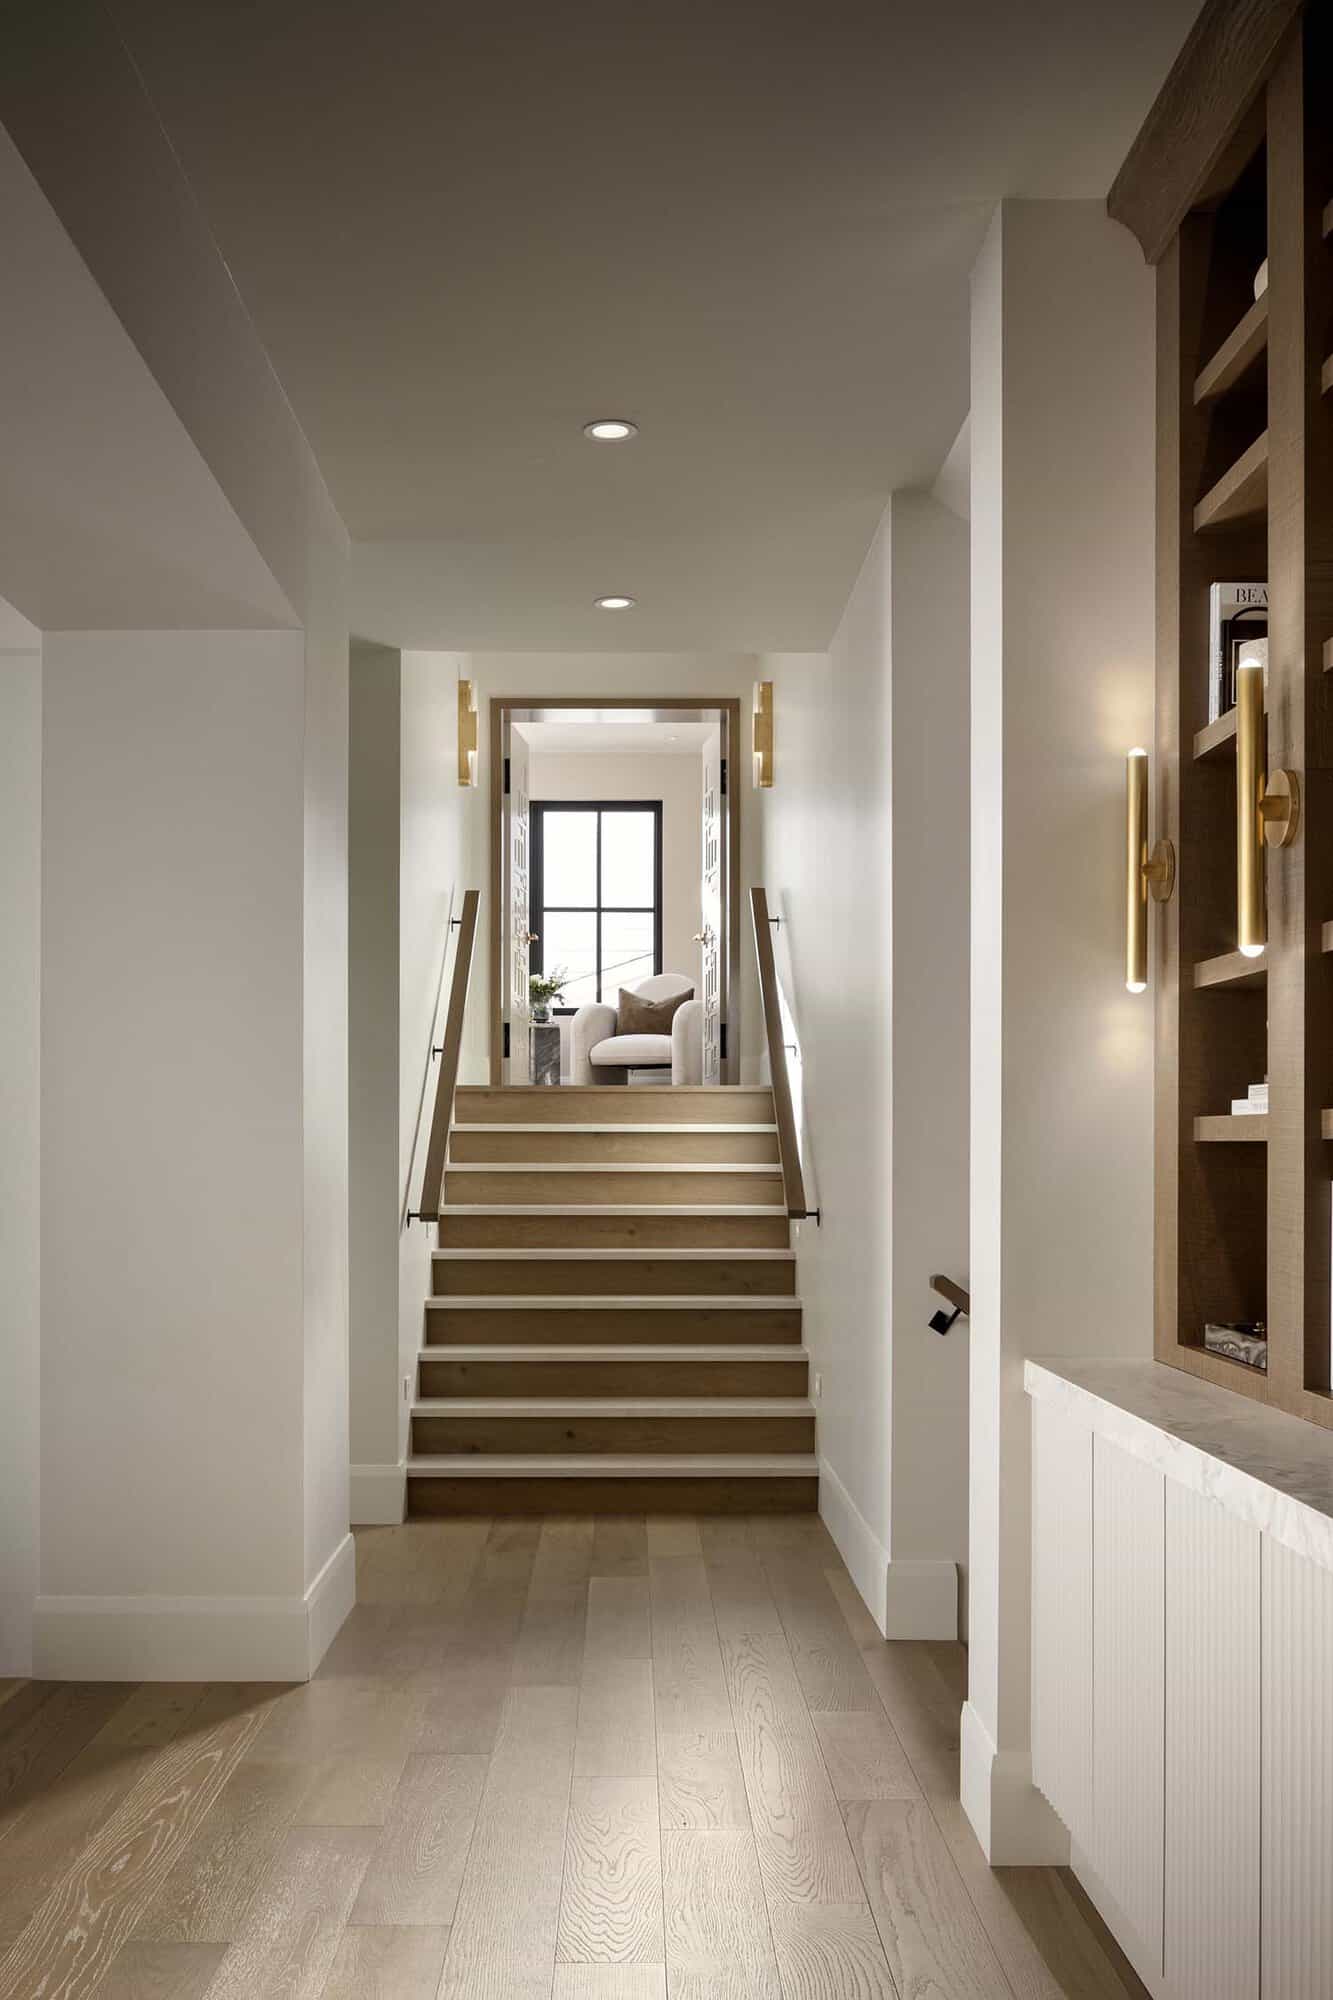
616	739
463	230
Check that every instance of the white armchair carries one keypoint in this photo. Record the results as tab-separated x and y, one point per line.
599	1055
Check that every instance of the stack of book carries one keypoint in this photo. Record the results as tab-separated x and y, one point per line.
1253	1104
1239	1340
1237	636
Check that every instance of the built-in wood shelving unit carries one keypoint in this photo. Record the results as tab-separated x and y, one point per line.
1238	352
1231	968
1245	491
1241	494
1246	1128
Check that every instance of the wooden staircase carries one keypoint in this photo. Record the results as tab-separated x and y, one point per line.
614	1325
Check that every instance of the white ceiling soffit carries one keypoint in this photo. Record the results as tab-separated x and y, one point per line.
465	230
109	518
616	739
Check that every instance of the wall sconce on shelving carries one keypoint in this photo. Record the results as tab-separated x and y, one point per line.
467	732
1268	809
1144	871
763	734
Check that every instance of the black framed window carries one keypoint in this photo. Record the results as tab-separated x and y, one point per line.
596	883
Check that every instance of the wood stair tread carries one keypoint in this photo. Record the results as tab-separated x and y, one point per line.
616	1301
608	1209
639	1255
614	1406
673	1351
587	1125
763	1169
608	1465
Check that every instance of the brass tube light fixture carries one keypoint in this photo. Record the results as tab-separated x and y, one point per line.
763	734
1145	872
1268	809
467	732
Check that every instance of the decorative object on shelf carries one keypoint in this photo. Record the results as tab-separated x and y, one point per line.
544	1053
1268	808
467	732
543	988
1261	279
1237	630
1253	1105
1144	871
1241	1340
763	734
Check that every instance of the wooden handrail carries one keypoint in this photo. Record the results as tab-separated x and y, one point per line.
446	1082
789	1152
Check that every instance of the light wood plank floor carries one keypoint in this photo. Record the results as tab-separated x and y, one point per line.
544	1760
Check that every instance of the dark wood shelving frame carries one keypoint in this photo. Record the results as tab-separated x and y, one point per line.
1233	166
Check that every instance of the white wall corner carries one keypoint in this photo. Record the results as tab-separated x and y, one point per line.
865	1555
195	1638
1016	1826
378	1495
920	1599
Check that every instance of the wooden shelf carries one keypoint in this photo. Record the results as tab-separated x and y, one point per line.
1232	969
1241	494
1326	375
1245	1128
1326	1124
1328	656
1328	218
1327	938
1244	344
1216	737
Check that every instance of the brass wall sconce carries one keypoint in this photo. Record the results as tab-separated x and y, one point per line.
467	732
1268	809
763	734
1145	872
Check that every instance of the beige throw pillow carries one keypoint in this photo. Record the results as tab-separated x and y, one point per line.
637	1016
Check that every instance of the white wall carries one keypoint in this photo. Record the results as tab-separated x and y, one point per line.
193	1435
375	720
519	676
865	860
1061	1068
678	783
408	872
20	1132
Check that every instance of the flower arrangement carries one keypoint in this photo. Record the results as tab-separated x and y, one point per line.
543	988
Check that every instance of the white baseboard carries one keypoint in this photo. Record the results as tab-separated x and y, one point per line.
194	1638
378	1495
1015	1824
906	1599
921	1599
865	1555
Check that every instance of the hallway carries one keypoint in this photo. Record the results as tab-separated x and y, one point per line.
556	1759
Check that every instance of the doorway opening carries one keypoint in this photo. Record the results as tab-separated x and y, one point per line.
615	880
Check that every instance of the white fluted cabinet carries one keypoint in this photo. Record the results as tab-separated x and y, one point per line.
1182	1672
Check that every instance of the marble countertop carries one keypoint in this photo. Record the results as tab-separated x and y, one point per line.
1270	1469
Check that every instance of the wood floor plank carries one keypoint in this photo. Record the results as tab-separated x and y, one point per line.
718	1942
610	1982
503	1939
420	1562
146	1969
932	1936
73	1936
803	1534
673	1535
1038	1929
416	1870
827	1659
924	1713
617	1731
611	1901
402	1963
800	1838
49	1727
292	1931
826	1953
619	1623
352	1738
45	1838
550	1643
853	1607
724	1535
699	1773
464	1697
863	1757
205	1898
620	1545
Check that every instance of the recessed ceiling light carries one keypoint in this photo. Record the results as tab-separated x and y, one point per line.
615	604
611	430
